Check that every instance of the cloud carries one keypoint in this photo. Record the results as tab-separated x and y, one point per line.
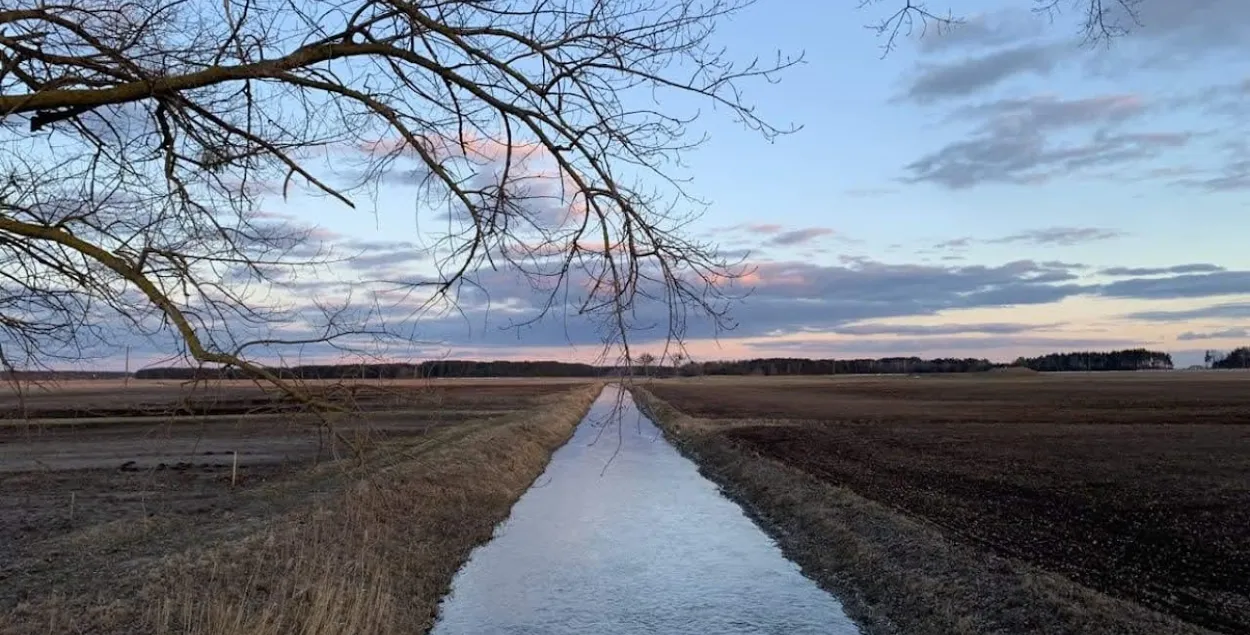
764	228
972	74
380	256
994	328
1214	335
793	298
1197	285
1062	236
979	31
751	228
1185	31
1237	178
1232	175
522	179
785	297
1048	112
1029	141
1042	237
855	299
1159	271
799	236
1227	310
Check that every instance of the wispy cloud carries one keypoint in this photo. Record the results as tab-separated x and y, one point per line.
1214	335
1042	237
1160	271
975	73
1038	139
799	236
1232	310
1061	236
1197	285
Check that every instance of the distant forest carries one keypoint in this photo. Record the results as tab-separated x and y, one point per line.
1134	359
1237	358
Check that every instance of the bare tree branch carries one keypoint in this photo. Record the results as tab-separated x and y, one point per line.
532	122
1103	21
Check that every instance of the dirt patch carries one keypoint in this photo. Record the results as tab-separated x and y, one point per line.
161	539
1146	515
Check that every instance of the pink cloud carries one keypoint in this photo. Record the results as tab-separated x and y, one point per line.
533	173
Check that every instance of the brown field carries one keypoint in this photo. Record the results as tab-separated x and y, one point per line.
126	509
1048	503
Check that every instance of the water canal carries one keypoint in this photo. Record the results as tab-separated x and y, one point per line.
645	546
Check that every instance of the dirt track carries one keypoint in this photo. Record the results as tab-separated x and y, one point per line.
1153	509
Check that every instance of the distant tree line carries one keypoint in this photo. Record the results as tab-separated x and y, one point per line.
804	366
429	369
1131	359
465	368
1237	358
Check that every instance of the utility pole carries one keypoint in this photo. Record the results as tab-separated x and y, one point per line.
126	381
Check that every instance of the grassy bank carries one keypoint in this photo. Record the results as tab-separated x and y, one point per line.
341	548
895	572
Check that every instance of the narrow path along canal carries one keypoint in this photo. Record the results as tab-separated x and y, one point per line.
645	546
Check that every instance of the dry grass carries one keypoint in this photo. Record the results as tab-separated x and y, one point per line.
896	571
366	549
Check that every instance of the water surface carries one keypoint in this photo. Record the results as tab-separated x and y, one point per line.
645	546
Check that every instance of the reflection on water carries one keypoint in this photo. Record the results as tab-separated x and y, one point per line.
647	546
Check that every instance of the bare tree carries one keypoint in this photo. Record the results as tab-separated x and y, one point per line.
679	358
646	361
139	138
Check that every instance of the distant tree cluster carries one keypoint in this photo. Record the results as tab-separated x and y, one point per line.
1237	358
1131	359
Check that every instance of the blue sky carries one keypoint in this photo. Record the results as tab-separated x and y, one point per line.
997	190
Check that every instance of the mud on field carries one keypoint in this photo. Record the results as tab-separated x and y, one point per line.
1137	488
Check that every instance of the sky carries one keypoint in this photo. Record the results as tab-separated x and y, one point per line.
998	189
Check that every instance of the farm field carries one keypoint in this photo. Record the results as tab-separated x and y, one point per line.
181	506
1114	502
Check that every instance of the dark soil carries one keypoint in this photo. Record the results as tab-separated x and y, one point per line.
1182	398
1157	513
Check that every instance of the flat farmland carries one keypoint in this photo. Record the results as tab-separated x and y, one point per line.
1134	485
144	502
